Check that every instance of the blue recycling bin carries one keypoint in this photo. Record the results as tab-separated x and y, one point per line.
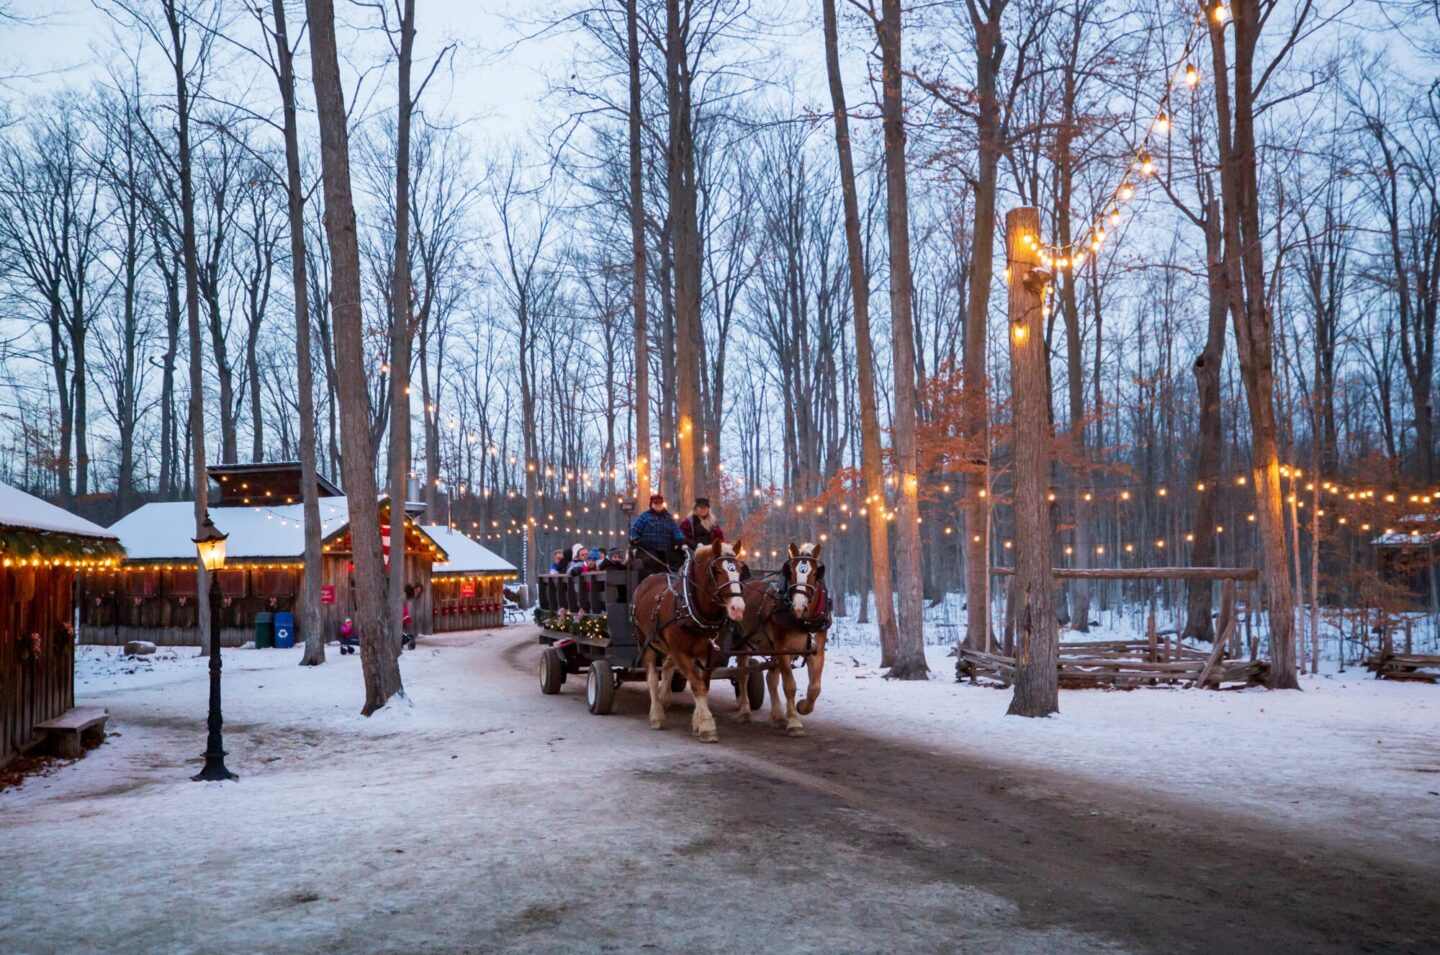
284	629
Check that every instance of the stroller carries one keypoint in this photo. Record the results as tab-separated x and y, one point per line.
349	639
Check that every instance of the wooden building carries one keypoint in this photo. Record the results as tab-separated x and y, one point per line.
42	550
1408	565
467	586
152	595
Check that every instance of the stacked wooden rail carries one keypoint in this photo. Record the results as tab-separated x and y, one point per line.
1150	662
1405	666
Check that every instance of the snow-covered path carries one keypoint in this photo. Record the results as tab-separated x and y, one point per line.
913	818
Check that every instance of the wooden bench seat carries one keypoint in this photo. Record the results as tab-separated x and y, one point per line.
65	733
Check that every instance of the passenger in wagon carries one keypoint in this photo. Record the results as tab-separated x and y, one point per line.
701	528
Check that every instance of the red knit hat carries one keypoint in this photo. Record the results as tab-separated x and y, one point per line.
657	499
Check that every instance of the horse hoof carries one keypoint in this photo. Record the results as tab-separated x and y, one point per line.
795	731
805	707
777	722
708	736
657	724
744	717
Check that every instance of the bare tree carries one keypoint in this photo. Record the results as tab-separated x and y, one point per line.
377	646
870	453
910	657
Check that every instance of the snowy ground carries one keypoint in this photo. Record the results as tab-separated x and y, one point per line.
914	817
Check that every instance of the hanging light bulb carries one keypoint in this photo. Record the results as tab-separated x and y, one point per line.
1162	123
1127	191
1147	165
1078	260
1219	12
1100	232
1192	76
1115	216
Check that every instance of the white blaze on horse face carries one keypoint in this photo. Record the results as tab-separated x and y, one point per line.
735	605
800	600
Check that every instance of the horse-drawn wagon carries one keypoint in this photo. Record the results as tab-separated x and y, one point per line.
710	620
586	625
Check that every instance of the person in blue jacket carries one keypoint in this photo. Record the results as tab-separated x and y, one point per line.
656	539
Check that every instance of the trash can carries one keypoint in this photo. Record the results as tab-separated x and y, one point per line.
264	630
284	630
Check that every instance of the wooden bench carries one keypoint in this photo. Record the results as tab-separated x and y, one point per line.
65	733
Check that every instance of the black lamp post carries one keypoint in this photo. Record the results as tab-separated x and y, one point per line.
211	547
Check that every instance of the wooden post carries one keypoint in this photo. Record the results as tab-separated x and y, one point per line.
1033	588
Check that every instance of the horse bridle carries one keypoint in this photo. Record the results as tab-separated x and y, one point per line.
808	590
720	591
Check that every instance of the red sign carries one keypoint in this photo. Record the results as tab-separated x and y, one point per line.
327	594
467	588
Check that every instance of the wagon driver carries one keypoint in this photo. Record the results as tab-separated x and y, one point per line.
656	537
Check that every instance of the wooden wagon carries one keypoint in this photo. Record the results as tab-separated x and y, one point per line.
587	627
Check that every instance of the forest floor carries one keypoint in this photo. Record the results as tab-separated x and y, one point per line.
913	817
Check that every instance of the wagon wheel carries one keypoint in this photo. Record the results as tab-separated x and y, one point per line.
600	688
552	671
755	686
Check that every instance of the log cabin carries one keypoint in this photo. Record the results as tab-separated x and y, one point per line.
467	592
152	594
43	549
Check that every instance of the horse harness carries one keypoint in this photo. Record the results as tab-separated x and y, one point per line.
687	614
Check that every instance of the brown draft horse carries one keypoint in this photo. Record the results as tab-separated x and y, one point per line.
784	625
677	618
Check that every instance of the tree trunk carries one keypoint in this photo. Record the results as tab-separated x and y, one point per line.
295	200
989	52
872	460
377	649
1199	624
685	235
637	259
400	333
1032	591
1250	315
910	658
175	22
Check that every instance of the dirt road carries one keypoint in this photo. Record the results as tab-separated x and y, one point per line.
1091	860
491	818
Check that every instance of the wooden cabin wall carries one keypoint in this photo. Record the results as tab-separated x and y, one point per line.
161	605
125	605
37	651
336	573
479	612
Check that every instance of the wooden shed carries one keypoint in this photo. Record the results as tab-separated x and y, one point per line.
152	594
42	550
467	586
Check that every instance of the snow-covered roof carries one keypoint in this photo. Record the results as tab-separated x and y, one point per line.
165	531
25	511
467	556
1403	539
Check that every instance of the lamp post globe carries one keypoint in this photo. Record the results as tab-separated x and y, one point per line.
210	551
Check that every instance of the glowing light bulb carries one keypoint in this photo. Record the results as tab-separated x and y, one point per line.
1147	165
1115	216
1192	76
1127	190
1219	12
1162	123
